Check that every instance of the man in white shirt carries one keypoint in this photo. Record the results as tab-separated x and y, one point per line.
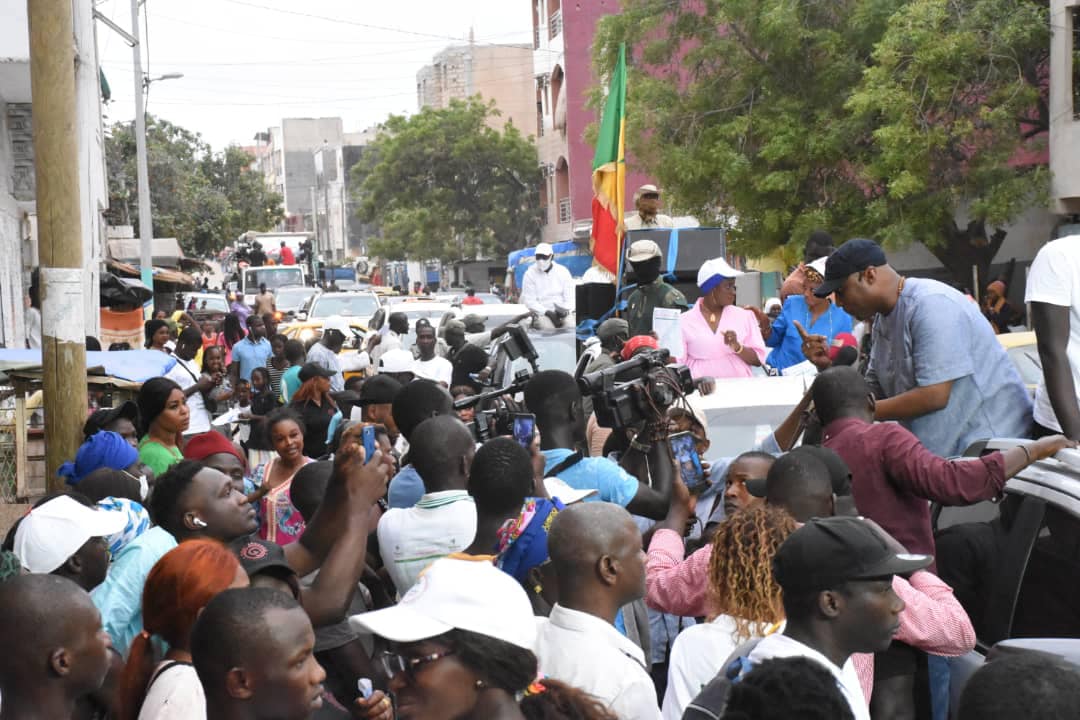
189	377
325	353
429	365
397	327
1053	289
595	551
837	577
444	520
548	290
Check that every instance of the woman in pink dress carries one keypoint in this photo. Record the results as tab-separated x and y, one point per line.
279	520
721	339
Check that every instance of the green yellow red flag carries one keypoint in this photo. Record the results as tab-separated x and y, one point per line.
609	174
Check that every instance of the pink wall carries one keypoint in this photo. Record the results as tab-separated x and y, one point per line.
579	26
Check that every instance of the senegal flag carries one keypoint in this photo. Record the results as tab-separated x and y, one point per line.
609	174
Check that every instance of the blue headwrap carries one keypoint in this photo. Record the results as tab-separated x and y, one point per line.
712	282
522	543
102	449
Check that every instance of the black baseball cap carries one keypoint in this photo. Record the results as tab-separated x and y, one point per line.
826	552
379	390
853	256
261	557
310	370
839	472
101	418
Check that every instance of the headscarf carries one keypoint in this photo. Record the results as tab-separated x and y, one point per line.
10	566
138	522
102	449
522	541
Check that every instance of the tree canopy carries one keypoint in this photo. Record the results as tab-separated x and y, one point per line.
202	198
882	118
442	184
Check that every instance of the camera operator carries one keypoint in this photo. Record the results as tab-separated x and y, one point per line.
553	396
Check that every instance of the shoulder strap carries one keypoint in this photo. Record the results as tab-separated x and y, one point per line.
568	462
165	667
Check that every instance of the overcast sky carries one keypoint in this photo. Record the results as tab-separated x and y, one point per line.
249	63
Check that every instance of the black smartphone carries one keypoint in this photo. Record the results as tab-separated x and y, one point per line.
684	451
524	428
368	437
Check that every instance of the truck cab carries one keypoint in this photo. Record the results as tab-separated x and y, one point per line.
273	276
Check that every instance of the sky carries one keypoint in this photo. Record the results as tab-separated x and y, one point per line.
249	63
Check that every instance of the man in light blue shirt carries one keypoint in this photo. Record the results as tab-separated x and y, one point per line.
553	396
935	363
251	352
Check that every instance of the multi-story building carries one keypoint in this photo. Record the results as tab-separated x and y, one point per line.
563	76
494	72
302	159
18	207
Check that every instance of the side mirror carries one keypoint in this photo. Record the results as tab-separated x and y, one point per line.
301	316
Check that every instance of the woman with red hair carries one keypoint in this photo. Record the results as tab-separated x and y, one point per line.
182	582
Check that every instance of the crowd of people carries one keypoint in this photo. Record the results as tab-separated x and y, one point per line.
279	531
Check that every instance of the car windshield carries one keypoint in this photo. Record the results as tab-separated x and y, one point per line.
217	303
274	278
357	305
290	299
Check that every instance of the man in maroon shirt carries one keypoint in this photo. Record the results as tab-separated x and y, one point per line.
893	475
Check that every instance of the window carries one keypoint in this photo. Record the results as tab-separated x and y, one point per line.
1048	604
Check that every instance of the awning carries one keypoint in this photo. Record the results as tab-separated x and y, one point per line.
164	251
164	275
124	367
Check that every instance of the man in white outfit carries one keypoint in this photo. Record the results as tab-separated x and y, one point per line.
548	290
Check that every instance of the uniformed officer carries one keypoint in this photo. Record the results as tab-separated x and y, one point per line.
651	292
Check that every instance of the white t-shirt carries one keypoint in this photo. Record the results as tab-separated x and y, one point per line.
437	369
175	693
410	539
779	645
589	653
185	373
696	656
1054	279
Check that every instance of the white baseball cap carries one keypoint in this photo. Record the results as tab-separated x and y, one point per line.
54	531
560	489
336	322
819	265
712	269
452	594
544	249
396	361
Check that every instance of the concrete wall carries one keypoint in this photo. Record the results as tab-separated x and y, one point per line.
503	73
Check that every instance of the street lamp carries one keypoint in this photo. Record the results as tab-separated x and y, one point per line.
167	76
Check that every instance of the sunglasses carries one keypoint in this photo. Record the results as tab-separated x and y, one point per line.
394	663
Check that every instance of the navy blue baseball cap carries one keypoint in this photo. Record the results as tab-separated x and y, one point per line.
853	256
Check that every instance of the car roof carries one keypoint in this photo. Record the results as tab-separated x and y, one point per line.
1056	480
490	309
1018	339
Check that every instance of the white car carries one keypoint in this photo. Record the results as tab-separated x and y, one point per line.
359	306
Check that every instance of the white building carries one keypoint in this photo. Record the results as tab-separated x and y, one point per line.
18	213
1065	106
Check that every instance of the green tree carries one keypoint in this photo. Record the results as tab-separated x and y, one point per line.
444	185
204	199
873	117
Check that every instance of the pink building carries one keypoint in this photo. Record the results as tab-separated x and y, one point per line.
562	64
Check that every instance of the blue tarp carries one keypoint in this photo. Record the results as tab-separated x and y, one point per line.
131	365
575	256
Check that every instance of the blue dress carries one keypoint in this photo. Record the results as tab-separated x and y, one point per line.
785	339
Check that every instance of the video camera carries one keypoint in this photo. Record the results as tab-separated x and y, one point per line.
498	420
637	390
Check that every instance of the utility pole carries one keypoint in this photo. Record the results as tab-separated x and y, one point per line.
56	164
146	225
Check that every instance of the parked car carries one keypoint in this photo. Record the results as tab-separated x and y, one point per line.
208	306
1015	564
358	305
311	329
290	299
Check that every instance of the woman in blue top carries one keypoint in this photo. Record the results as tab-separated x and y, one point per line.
818	316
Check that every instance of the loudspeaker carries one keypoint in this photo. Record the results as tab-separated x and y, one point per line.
690	248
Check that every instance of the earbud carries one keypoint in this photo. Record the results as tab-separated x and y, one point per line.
198	522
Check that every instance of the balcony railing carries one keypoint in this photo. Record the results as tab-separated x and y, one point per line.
564	211
536	38
555	24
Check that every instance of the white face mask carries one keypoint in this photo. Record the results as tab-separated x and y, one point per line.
544	264
144	486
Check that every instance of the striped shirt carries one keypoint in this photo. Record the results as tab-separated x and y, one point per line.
410	539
